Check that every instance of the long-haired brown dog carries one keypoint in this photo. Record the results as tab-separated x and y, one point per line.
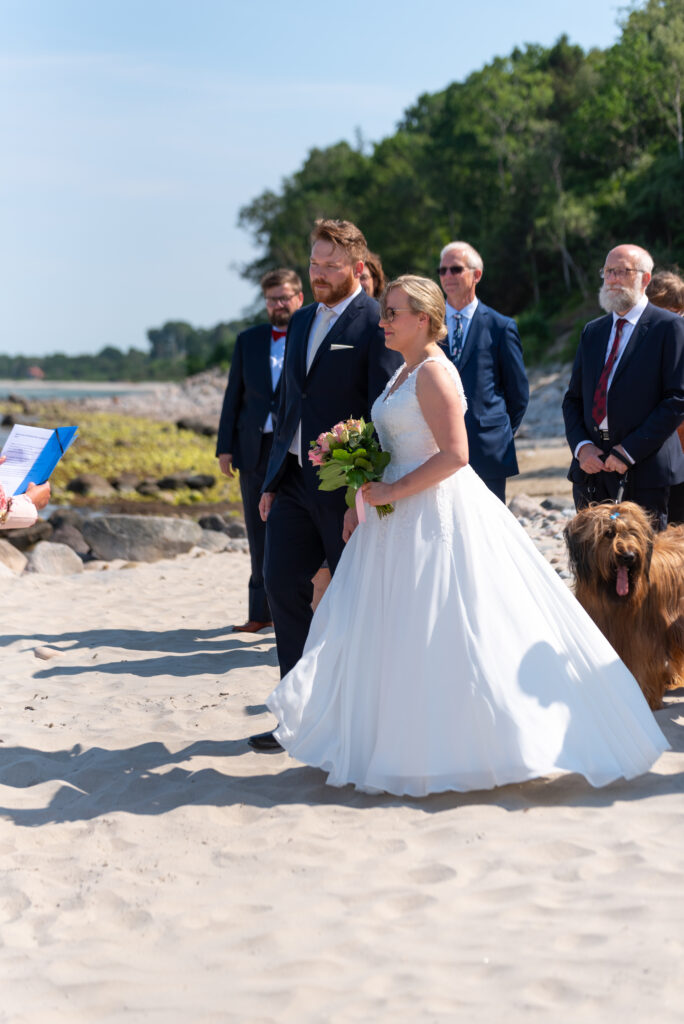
631	582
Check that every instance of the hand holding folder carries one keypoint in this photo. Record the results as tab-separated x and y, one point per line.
31	454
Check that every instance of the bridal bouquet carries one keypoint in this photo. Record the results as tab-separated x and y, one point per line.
349	455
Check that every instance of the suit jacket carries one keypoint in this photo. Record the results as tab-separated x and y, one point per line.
348	372
645	398
495	383
248	399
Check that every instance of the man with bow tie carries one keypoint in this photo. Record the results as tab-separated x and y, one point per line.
485	348
247	420
625	399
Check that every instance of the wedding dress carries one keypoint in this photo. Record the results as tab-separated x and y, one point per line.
447	654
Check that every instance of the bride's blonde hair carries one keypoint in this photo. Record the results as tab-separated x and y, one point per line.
424	296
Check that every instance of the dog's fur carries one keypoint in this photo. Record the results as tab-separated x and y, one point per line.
645	625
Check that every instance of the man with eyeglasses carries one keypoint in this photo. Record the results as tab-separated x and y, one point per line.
485	348
336	364
247	420
625	399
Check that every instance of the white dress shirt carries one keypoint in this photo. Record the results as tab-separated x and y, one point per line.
338	309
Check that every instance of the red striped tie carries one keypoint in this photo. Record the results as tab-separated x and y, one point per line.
598	409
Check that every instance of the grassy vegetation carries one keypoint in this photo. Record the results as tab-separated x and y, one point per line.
111	444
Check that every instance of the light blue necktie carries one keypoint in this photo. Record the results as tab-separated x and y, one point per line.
456	345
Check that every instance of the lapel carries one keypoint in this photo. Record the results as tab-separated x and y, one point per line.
300	341
263	361
638	335
337	329
477	325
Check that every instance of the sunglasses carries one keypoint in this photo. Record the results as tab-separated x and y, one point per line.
443	271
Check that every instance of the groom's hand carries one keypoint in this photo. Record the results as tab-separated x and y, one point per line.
265	503
351	521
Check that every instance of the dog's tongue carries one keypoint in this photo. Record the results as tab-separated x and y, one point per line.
622	585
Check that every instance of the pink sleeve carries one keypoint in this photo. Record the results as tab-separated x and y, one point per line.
20	512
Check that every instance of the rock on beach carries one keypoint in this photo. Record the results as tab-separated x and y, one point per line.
140	538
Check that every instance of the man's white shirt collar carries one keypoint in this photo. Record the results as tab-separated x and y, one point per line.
467	311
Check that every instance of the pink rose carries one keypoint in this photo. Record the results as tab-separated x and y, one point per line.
316	457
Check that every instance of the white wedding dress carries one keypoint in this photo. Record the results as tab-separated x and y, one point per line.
447	654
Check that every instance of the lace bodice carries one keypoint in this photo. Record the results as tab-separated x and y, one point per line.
401	425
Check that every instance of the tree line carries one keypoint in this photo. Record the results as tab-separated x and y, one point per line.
543	160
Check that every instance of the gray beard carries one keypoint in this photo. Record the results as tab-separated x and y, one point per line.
618	300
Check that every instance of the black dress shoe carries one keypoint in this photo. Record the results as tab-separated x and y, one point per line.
264	741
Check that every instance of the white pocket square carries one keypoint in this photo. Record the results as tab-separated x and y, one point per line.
337	348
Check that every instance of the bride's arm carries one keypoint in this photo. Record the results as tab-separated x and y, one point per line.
440	404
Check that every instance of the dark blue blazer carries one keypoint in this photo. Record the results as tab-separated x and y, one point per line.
248	399
495	383
645	398
349	370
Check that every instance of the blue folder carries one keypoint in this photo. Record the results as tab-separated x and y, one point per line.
54	449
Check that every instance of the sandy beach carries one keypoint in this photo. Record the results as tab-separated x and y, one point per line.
155	869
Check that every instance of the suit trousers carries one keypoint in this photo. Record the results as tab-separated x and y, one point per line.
602	487
304	528
497	485
251	483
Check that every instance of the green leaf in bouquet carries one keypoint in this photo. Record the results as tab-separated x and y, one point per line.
356	477
341	455
362	463
331	485
350	496
332	471
382	460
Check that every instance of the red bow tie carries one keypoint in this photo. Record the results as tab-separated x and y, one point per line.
277	335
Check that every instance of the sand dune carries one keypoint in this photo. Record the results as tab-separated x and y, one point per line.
154	869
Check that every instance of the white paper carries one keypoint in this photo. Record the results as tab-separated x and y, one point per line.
21	449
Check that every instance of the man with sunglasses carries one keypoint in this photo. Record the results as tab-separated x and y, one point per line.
485	348
246	427
625	399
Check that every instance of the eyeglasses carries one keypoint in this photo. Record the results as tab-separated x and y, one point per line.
443	271
279	300
389	314
619	273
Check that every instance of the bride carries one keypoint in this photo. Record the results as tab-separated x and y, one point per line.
446	653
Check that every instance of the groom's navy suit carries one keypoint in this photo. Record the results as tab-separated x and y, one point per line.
304	527
645	405
495	384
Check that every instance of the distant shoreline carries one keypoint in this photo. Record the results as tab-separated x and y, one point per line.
38	388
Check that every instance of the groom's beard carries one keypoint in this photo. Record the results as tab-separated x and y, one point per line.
331	294
618	298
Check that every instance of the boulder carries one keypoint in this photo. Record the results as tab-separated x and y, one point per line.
208	428
213	541
148	489
64	517
73	538
11	558
140	538
213	522
24	537
200	481
6	573
523	505
125	481
235	528
91	485
173	482
53	560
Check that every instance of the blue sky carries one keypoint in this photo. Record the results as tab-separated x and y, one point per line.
134	130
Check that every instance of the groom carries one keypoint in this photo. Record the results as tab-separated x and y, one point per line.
336	365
